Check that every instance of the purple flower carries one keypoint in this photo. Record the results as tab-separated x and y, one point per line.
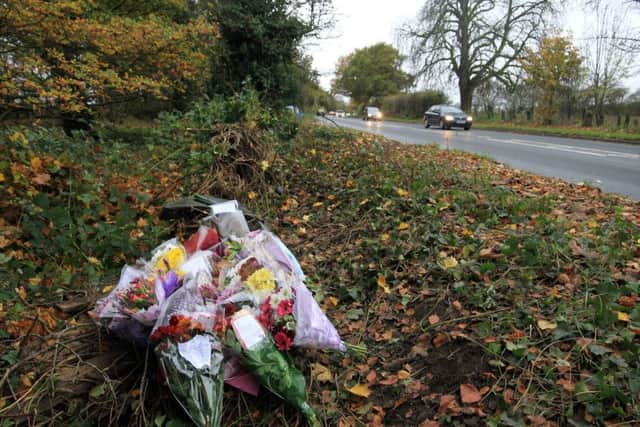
169	283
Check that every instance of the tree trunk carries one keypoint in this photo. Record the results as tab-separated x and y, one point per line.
466	95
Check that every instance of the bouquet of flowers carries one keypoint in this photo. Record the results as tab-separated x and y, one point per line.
258	352
286	308
191	357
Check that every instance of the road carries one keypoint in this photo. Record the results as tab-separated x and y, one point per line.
613	167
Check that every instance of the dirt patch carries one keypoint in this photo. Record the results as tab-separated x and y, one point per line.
442	371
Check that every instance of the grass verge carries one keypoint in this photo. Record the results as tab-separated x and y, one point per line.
484	296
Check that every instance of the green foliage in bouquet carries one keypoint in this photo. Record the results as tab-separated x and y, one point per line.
277	373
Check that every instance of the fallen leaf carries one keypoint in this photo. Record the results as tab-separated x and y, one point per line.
384	237
430	423
390	380
433	319
448	262
445	402
403	226
623	317
41	179
93	260
469	393
440	340
321	373
403	375
141	222
564	278
567	385
333	300
361	390
628	301
382	282
372	376
546	325
401	192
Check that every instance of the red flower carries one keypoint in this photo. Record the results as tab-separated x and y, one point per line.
285	307
283	341
266	318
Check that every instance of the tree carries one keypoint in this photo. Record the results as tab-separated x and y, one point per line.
259	43
475	40
549	69
373	71
70	56
606	56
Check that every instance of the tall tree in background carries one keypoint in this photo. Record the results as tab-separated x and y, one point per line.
475	40
373	71
606	55
260	42
549	69
70	56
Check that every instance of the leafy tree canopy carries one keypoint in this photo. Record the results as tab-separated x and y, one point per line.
373	71
70	56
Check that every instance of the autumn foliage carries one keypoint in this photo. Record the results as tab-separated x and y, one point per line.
70	55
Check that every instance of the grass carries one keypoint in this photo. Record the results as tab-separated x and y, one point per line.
484	296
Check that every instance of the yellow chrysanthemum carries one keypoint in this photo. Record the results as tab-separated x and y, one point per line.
174	257
261	281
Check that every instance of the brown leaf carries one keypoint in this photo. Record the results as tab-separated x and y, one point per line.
469	393
430	423
446	401
628	301
566	385
433	319
564	278
390	380
440	340
41	179
372	376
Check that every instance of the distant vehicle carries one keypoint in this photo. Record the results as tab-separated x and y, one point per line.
321	112
331	113
340	113
447	116
295	111
371	113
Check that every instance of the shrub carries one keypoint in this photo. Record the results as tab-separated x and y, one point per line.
412	104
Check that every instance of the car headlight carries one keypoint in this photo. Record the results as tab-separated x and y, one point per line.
379	115
448	118
469	118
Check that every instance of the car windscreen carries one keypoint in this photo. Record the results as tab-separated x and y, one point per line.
452	110
372	110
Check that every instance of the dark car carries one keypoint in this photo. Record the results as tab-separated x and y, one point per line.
371	113
447	116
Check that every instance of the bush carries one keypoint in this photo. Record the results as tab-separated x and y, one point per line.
412	105
71	210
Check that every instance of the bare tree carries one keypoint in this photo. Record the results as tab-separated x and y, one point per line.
475	40
606	56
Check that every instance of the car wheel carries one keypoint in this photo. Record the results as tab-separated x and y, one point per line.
467	127
426	124
442	125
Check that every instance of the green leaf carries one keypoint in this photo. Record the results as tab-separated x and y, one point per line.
98	391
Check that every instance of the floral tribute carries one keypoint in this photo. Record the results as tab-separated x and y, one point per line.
187	299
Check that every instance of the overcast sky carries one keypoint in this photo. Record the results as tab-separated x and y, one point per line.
361	23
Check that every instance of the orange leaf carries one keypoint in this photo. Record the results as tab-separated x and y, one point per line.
433	319
361	390
403	226
469	393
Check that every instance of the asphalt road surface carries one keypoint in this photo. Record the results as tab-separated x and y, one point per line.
613	167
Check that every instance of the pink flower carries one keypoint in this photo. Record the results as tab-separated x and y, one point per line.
285	307
283	341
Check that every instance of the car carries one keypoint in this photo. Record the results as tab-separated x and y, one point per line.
331	113
371	113
447	116
321	112
340	113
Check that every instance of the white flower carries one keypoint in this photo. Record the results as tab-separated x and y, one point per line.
275	300
285	292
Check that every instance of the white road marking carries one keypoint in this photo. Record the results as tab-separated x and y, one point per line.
596	152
